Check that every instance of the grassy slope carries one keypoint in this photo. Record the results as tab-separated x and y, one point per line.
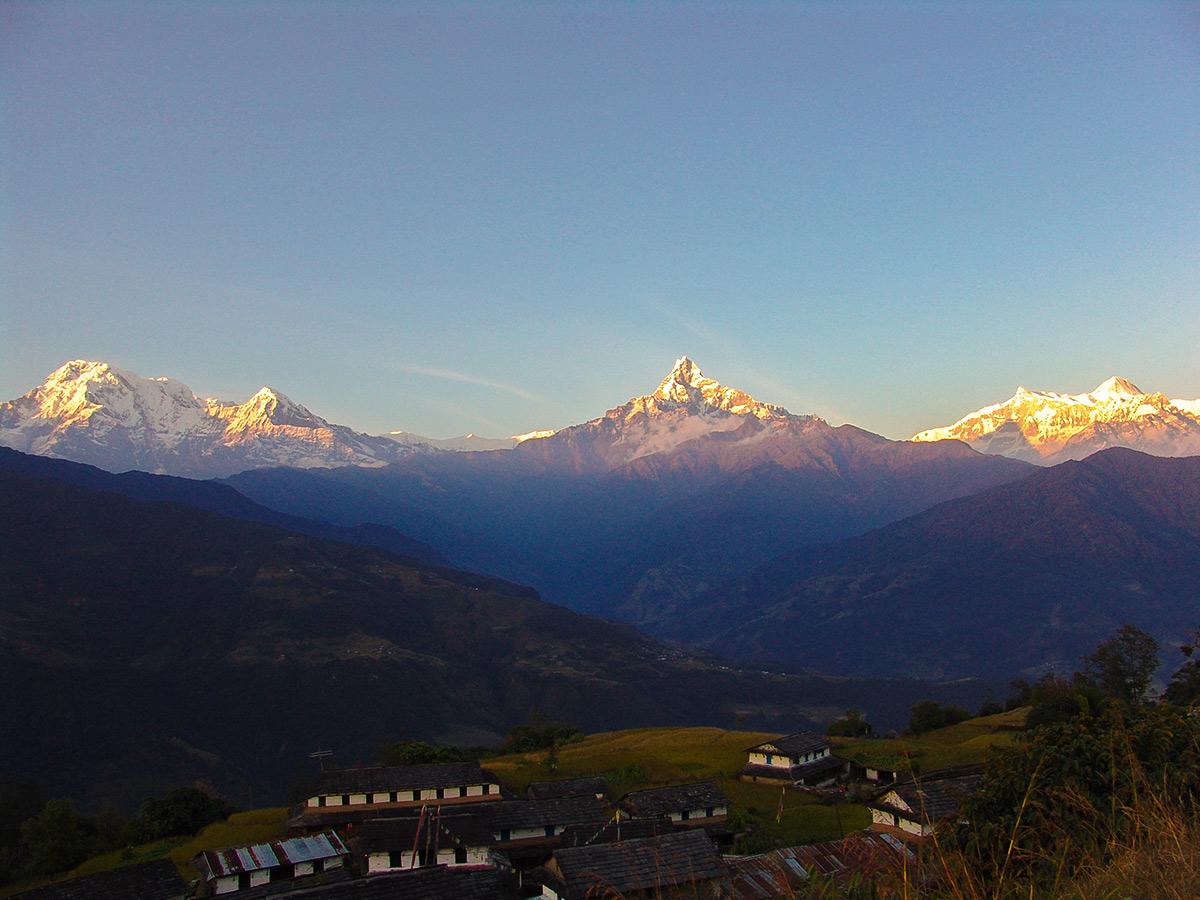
255	826
965	744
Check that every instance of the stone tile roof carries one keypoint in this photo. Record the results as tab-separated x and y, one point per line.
798	744
427	883
481	824
609	832
513	814
649	864
157	880
570	787
384	779
403	833
663	801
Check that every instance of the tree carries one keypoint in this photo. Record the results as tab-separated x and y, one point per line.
852	724
929	715
1185	683
183	811
1123	667
54	839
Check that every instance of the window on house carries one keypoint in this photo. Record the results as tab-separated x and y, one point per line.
460	855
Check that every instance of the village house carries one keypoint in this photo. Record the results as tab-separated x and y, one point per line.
348	796
917	808
157	880
393	845
525	832
803	758
698	805
685	864
251	865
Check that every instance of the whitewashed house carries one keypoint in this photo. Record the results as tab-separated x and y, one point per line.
348	796
917	808
687	805
803	758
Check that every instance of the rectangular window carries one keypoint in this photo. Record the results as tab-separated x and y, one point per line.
460	855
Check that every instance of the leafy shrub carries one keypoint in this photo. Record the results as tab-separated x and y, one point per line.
183	811
929	715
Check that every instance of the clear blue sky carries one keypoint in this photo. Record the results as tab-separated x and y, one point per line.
496	217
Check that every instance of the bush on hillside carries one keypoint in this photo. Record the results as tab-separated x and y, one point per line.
1073	788
929	715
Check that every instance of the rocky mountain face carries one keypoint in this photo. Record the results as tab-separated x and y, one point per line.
1046	428
1013	580
633	513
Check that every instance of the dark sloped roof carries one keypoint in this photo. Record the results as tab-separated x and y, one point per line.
605	870
624	830
933	799
290	886
571	787
797	744
157	880
674	798
539	813
381	779
428	883
478	824
402	834
796	773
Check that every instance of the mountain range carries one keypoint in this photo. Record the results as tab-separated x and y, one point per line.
94	413
1022	577
631	514
1046	428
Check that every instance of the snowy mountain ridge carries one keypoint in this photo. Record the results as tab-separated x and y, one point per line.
1046	427
96	413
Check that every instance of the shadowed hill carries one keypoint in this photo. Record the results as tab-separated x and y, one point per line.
1018	577
150	644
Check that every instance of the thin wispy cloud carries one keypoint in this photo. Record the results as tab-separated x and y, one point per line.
449	375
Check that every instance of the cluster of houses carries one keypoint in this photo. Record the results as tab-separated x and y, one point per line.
453	832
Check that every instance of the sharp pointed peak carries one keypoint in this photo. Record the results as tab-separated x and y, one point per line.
1118	385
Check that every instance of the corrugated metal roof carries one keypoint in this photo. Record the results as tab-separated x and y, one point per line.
255	857
781	872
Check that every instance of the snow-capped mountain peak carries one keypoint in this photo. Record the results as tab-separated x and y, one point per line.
686	385
1047	427
1117	387
95	413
